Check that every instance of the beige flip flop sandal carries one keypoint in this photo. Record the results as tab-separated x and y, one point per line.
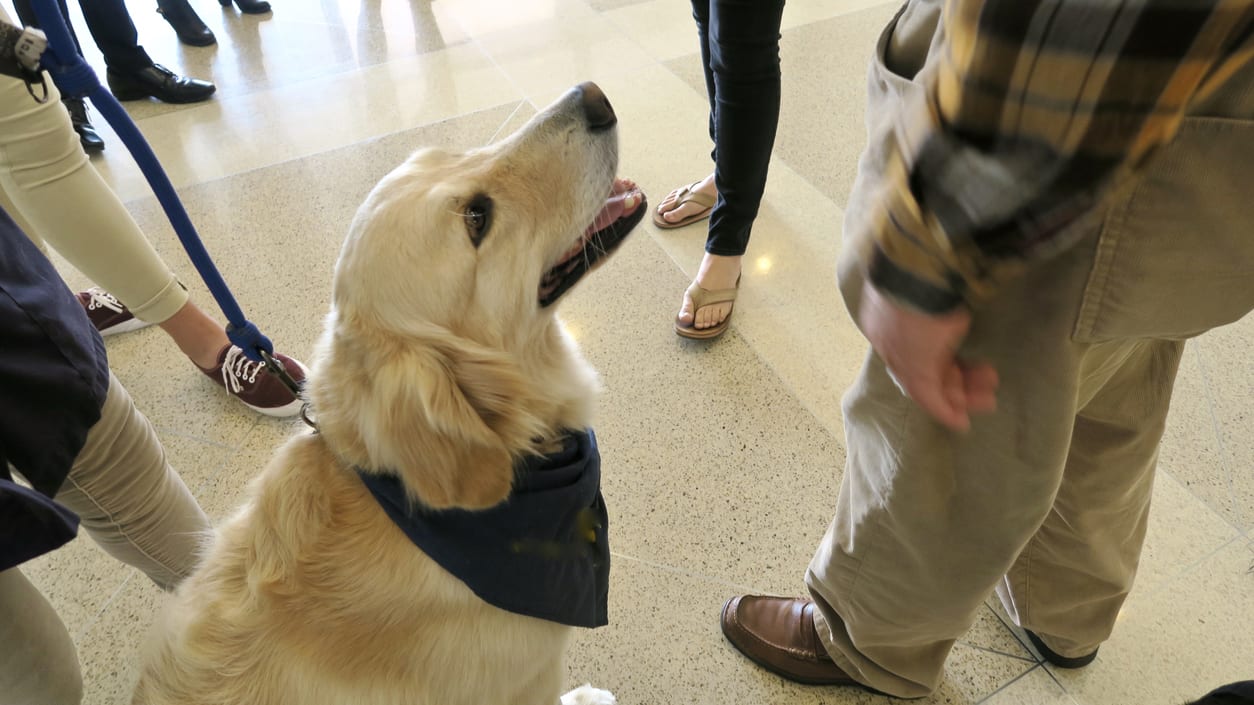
700	299
685	195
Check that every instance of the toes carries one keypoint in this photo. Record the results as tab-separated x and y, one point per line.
669	202
669	213
712	315
703	317
685	312
677	214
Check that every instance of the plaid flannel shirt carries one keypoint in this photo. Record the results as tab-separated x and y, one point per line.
1036	109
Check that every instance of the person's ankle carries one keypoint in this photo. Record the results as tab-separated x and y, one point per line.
204	351
723	268
199	337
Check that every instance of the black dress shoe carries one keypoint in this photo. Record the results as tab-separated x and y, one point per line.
186	23
92	144
251	7
161	83
1056	658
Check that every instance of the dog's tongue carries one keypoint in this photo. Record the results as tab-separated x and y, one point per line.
625	198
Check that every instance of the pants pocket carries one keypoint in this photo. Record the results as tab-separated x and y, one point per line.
1175	257
901	53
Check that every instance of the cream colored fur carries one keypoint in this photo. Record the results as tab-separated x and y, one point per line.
437	363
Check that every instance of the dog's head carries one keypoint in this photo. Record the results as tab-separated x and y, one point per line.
442	358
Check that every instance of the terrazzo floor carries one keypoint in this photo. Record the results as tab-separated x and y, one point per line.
721	461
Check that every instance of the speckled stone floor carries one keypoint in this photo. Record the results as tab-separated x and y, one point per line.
721	461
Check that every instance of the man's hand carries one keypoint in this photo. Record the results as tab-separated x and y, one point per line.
920	352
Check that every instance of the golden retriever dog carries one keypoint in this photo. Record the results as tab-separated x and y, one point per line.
443	370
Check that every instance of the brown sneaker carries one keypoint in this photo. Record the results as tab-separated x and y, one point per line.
107	314
777	633
253	384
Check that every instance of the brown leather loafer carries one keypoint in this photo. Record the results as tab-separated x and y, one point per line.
777	633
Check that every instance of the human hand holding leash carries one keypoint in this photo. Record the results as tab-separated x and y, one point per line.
920	353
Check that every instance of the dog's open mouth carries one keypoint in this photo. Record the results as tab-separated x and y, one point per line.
622	211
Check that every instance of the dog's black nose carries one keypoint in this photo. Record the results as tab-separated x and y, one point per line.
596	107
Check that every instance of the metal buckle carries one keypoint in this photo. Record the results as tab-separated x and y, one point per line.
276	368
37	79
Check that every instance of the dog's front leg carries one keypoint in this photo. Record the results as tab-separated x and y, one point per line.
587	695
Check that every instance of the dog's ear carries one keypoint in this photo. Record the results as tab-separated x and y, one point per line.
447	418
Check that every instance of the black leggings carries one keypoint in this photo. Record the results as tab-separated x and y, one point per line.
740	53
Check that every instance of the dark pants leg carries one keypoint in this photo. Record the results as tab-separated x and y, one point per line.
26	14
740	53
110	25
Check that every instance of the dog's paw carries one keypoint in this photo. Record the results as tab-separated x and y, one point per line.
587	695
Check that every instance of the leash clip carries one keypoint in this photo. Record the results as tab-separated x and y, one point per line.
276	368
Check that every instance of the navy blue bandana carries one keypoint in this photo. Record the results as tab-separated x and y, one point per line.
544	552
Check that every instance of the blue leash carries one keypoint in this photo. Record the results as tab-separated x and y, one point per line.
74	78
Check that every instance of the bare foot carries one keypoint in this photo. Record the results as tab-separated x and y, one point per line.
624	198
670	212
717	272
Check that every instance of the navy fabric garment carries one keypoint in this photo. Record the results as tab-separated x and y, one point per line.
31	524
53	380
544	552
1241	693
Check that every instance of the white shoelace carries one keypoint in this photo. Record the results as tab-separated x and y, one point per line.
236	367
103	299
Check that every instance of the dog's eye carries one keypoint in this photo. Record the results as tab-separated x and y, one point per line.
478	217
